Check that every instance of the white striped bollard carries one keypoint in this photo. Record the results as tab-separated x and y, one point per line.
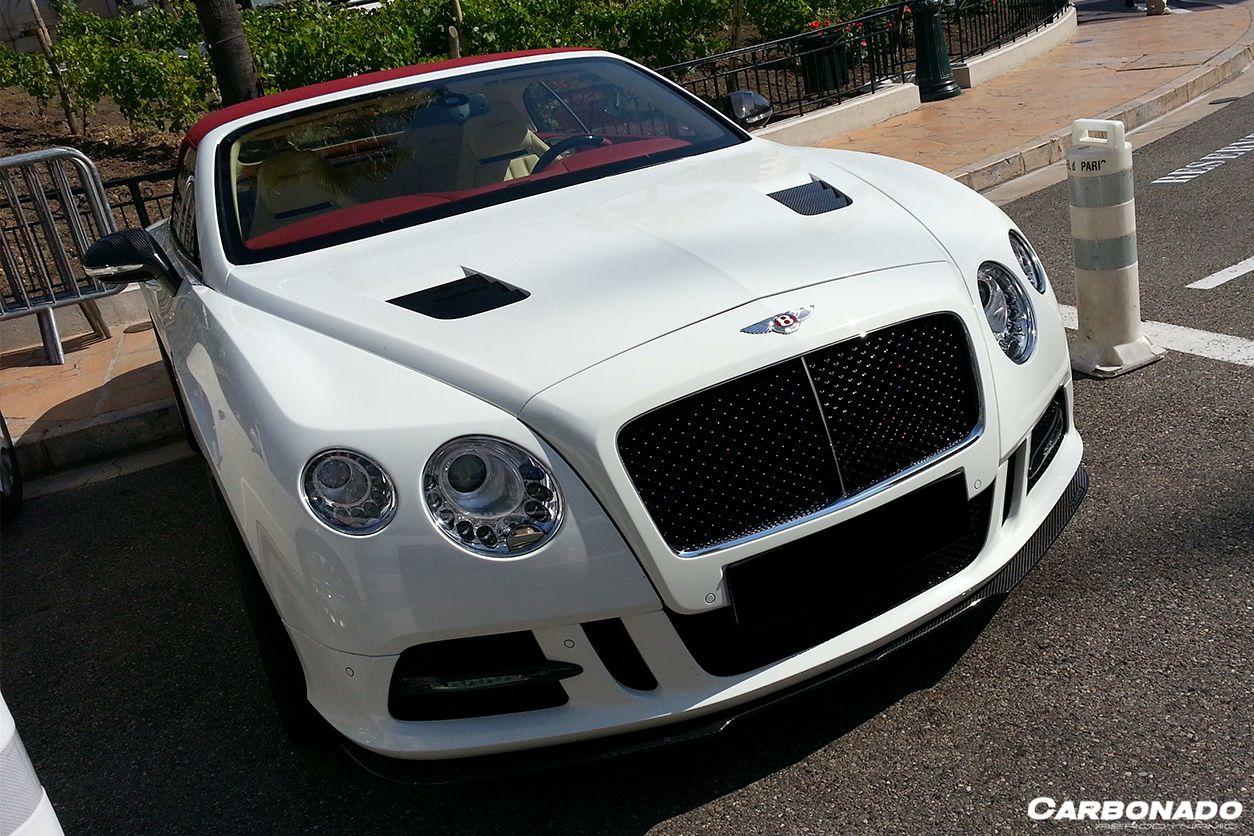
1103	233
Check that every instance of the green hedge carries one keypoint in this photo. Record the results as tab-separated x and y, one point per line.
151	63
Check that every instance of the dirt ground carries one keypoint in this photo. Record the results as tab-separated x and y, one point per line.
117	152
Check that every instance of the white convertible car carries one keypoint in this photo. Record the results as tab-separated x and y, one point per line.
551	407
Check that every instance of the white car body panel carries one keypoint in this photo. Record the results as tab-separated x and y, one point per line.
640	285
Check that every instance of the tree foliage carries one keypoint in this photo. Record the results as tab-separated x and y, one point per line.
152	63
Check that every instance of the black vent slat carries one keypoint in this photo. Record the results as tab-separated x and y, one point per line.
612	642
896	397
472	295
733	460
813	198
753	453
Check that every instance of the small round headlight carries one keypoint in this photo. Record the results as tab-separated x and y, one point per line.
491	497
1029	262
349	492
1008	311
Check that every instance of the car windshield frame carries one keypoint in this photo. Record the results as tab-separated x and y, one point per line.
237	252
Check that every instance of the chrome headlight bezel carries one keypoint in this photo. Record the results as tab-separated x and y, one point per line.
1008	310
1029	261
357	514
513	504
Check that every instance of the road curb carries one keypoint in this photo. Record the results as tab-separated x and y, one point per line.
1046	150
97	438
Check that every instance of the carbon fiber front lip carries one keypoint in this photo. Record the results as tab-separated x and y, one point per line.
531	760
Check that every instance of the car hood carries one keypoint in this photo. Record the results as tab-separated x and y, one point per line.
607	265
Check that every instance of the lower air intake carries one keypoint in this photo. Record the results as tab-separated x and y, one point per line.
476	677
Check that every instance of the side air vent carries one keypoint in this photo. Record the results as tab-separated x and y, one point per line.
622	658
472	295
1047	436
814	198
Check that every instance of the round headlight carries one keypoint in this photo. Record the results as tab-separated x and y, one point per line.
491	496
1029	262
1008	311
349	492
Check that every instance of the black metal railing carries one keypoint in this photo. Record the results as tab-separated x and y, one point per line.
825	66
973	27
812	70
140	200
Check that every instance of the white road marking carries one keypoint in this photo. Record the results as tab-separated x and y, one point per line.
1210	162
1223	347
1225	275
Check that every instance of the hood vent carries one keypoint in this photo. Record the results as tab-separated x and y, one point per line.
458	299
813	198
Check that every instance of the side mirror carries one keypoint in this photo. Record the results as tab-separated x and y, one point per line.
748	108
129	255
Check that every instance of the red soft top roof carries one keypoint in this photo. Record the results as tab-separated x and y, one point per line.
218	118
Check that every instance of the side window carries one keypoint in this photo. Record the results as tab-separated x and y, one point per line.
183	207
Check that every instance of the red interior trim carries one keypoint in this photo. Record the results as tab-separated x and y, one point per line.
345	218
379	210
218	118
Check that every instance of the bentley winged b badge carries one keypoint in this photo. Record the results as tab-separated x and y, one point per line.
781	323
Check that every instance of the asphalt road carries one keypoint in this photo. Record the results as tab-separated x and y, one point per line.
1122	668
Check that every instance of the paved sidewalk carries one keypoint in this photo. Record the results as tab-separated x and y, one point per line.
1118	61
113	395
110	396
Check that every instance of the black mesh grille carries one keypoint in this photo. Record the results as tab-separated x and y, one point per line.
896	397
753	453
733	460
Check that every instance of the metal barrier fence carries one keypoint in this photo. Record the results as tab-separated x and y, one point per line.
973	27
53	206
809	71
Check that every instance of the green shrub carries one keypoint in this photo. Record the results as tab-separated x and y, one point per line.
152	63
149	64
305	42
657	32
837	10
29	72
778	18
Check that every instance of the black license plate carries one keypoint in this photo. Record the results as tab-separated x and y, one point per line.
849	564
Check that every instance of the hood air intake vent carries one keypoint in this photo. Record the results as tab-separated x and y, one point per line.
814	198
472	295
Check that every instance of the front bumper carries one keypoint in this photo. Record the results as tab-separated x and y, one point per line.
604	717
488	766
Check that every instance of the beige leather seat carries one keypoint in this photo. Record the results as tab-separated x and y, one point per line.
294	185
498	146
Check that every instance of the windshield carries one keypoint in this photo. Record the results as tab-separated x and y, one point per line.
403	156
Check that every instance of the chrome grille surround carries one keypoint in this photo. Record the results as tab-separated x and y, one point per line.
805	437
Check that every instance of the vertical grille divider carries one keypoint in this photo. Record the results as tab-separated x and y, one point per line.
831	442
